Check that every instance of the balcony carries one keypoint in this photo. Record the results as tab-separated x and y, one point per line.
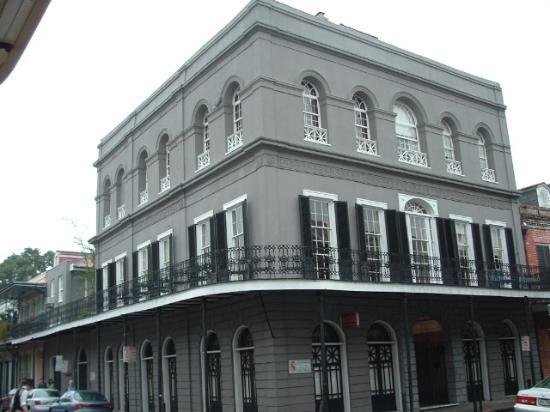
164	183
290	263
454	167
488	175
121	212
315	134
234	141
413	157
203	160
143	197
366	146
106	221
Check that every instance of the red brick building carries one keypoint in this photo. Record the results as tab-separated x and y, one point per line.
535	221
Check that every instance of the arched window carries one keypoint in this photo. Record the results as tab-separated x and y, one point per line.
487	173
235	139
109	374
107	203
212	391
313	131
543	196
336	364
383	368
511	358
147	380
169	378
422	242
453	165
244	370
406	130
143	185
82	370
203	158
164	164
205	133
363	140
122	380
475	361
121	210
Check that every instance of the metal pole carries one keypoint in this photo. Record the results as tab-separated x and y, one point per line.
527	306
324	372
159	363
475	390
98	336
126	378
76	382
205	356
408	350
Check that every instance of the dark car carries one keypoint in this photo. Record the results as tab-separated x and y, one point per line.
82	401
6	400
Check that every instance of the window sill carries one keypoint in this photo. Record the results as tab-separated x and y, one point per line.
415	164
368	154
317	142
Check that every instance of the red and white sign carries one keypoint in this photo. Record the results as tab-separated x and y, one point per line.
349	320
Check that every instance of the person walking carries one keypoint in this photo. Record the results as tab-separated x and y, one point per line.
19	400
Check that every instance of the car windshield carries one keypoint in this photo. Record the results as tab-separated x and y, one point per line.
89	396
545	383
45	393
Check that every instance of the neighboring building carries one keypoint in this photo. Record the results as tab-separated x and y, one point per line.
297	173
535	221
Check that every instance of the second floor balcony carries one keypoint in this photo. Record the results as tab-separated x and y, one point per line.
454	167
234	141
291	263
488	175
366	146
143	197
164	183
315	134
203	160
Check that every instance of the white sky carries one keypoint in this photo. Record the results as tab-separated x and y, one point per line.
91	62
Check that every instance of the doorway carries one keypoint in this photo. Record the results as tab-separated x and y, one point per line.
431	371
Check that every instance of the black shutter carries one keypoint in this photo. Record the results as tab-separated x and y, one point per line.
192	241
171	249
305	222
488	243
343	238
478	253
543	254
246	225
155	258
99	289
363	267
154	278
221	246
135	275
510	248
111	278
448	250
398	246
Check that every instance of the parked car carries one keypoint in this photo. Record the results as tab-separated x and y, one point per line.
6	400
40	400
535	399
82	401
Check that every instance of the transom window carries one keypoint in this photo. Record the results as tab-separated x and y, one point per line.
237	113
448	146
361	118
406	127
205	133
310	95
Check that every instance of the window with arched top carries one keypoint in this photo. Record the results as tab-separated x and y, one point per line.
82	370
406	130
170	375
363	139
120	207
511	358
475	362
452	164
164	164
107	203
336	365
203	139
235	139
487	173
147	379
211	377
244	371
313	131
543	196
109	374
143	185
205	133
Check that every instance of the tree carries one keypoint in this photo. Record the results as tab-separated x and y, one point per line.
21	267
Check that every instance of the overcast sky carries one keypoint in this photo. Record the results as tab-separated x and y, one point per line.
91	62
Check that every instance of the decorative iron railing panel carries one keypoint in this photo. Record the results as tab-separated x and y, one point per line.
315	134
165	183
291	262
107	221
121	212
366	146
234	141
454	167
143	197
488	175
413	157
203	160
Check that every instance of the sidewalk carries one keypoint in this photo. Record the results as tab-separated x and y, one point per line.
500	405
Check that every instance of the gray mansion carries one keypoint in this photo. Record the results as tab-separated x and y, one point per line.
303	218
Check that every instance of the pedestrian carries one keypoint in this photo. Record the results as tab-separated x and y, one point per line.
70	387
51	384
19	400
41	384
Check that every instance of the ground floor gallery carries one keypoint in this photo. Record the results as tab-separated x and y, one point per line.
267	352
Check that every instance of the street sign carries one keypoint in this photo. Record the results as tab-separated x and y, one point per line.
525	343
349	320
58	363
129	354
299	366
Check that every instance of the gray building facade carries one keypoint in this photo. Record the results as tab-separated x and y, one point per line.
295	172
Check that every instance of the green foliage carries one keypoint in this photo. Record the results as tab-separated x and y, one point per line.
21	267
4	330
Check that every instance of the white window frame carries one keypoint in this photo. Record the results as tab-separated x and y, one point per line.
237	112
361	113
447	136
60	289
143	369
228	208
237	366
466	220
199	221
143	258
120	270
163	238
165	372
543	197
310	117
205	133
381	207
105	279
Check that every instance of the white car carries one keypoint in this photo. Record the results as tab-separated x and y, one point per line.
535	399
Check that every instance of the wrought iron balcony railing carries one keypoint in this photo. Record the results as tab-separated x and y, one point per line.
107	221
315	134
121	212
454	167
143	197
164	183
234	141
289	262
203	160
366	146
488	175
413	157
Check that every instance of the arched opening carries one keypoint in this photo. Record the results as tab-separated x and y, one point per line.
211	378
475	362
109	374
383	354
82	370
364	141
143	184
543	196
170	375
487	171
164	163
147	379
511	357
107	203
122	380
121	210
202	137
336	365
244	371
422	242
431	370
313	130
408	140
453	165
